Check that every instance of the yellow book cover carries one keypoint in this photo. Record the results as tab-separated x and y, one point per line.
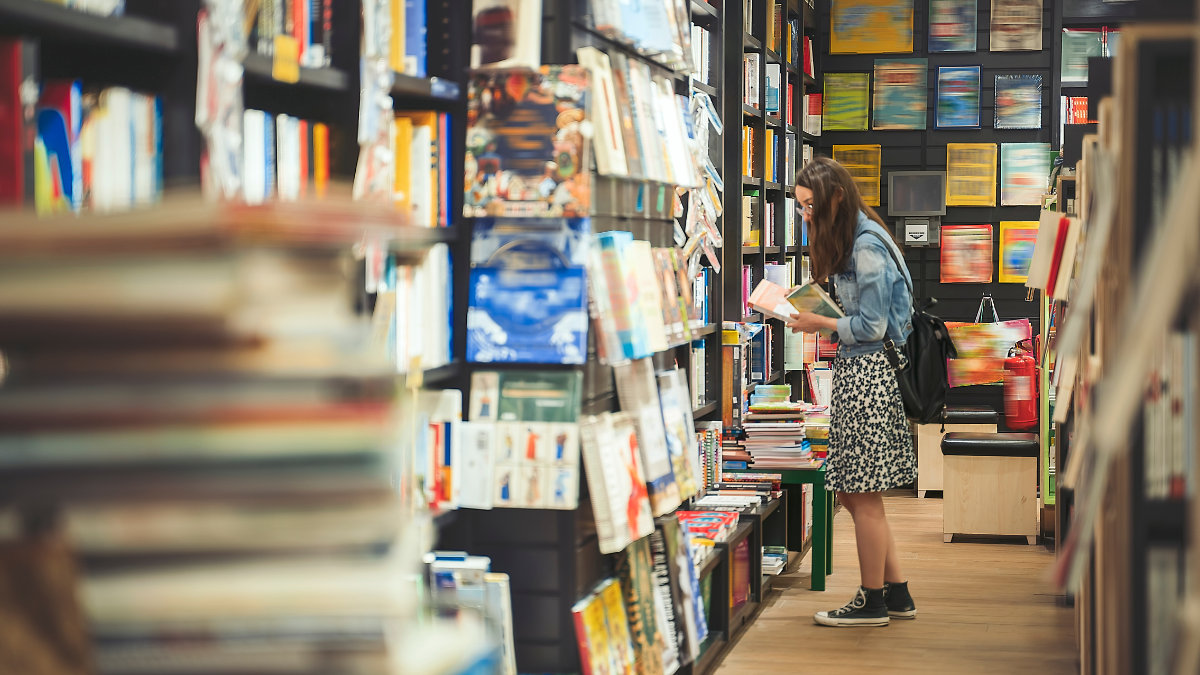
401	192
397	47
321	158
620	638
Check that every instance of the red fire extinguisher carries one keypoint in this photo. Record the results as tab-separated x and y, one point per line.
1020	387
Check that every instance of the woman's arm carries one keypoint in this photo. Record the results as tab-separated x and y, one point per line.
807	322
874	298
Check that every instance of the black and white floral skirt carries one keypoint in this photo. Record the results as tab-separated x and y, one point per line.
870	446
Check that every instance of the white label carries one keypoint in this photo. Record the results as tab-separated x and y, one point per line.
1022	388
916	234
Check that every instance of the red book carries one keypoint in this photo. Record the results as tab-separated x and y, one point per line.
18	63
808	55
1060	243
791	97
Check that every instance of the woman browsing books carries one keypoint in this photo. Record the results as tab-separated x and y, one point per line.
870	448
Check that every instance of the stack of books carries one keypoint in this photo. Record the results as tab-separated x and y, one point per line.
706	529
816	430
733	451
774	560
195	394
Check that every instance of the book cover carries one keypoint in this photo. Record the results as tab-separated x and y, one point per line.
616	482
1018	102
630	132
526	153
619	636
966	256
772	300
623	296
958	97
680	429
528	294
607	142
498	615
536	444
638	394
664	605
810	297
414	38
635	570
640	259
591	635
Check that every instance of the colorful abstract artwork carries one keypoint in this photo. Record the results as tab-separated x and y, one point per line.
871	27
958	97
845	101
900	94
1018	102
1017	240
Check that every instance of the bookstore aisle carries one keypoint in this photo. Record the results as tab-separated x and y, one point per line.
984	606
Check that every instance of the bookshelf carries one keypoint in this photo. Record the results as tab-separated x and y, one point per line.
1139	545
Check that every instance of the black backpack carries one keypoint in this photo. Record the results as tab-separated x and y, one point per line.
923	380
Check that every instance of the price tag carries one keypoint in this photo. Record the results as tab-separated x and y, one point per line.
286	64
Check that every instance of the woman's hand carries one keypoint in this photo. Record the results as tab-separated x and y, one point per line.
807	322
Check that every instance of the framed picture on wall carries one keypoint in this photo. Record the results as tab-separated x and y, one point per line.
1016	26
1017	239
871	27
1024	172
971	174
901	94
966	254
846	101
953	25
1018	102
958	97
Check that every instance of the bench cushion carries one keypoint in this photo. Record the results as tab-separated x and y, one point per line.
970	415
990	445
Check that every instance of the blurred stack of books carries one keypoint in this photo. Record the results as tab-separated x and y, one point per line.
195	403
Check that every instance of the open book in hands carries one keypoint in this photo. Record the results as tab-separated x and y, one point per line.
777	302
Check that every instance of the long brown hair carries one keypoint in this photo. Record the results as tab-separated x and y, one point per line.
831	237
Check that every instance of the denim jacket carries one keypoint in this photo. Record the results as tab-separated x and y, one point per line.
873	295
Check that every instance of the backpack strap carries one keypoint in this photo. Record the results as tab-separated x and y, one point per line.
889	346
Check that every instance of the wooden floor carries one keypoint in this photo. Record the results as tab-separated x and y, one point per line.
983	607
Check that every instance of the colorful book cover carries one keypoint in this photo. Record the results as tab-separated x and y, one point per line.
623	296
864	163
952	25
506	34
1024	172
958	97
526	152
635	570
674	640
1018	102
637	392
591	635
528	296
536	440
414	38
619	635
845	102
871	27
680	429
900	93
811	298
966	256
615	481
771	299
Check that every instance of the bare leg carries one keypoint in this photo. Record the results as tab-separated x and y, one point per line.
874	538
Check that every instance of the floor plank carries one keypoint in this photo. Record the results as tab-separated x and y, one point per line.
984	606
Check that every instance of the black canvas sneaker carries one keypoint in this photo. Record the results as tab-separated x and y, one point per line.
866	609
899	602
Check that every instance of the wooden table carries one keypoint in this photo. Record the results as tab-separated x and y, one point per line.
822	532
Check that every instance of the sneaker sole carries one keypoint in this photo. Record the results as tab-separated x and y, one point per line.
910	614
867	623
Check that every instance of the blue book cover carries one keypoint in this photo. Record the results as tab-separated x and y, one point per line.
528	294
414	38
758	357
732	465
646	24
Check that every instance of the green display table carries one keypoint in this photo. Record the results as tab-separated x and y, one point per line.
822	530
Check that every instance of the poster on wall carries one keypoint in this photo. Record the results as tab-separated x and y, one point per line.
953	25
1018	102
863	163
958	97
971	174
871	27
1017	240
1024	171
966	254
900	93
1078	45
1016	25
845	102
